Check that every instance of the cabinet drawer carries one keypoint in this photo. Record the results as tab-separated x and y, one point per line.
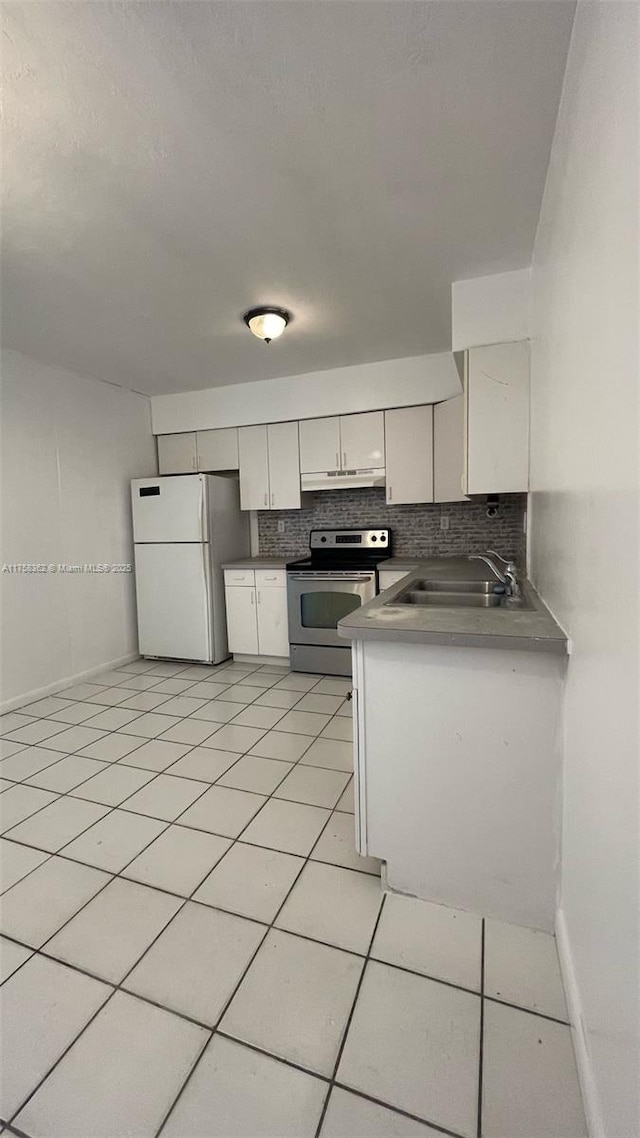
240	577
271	578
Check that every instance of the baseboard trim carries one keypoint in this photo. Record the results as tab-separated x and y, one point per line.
590	1096
65	682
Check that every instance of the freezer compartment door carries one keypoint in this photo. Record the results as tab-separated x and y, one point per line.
169	509
173	590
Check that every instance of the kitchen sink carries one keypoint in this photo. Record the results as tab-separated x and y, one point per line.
458	594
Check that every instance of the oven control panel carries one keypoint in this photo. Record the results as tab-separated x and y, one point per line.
350	539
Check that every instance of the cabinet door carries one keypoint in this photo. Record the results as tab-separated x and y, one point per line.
242	622
319	445
218	450
497	419
273	632
284	466
408	434
448	450
362	441
389	577
254	468
177	453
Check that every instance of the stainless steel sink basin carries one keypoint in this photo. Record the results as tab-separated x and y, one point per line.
458	594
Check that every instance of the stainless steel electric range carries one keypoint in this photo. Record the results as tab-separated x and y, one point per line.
339	575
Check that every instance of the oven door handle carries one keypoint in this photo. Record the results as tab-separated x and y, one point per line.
330	577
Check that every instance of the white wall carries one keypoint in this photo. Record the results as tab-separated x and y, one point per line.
69	447
341	391
584	534
491	310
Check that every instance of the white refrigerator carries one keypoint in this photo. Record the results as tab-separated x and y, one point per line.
184	529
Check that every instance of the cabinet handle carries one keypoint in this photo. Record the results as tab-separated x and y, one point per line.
253	597
344	460
259	601
272	499
337	460
266	499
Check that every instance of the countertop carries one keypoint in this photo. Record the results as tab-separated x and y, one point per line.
257	563
532	630
398	563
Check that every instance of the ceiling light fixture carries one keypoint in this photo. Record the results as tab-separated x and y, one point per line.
267	323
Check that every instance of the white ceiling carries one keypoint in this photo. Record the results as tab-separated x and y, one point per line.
168	165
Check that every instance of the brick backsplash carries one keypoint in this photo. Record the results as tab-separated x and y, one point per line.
416	529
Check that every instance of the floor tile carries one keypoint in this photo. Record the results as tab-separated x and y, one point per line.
326	704
258	680
223	811
201	672
349	1115
240	739
235	1092
113	785
204	763
112	747
414	1043
73	713
111	697
35	908
143	1055
191	731
235	672
12	957
286	826
74	739
182	705
216	711
330	685
240	695
278	697
521	966
7	748
140	682
16	862
115	840
250	881
334	754
35	732
333	905
174	686
254	716
110	934
165	797
346	801
14	719
85	691
337	846
262	776
112	718
5	785
295	681
311	986
144	701
148	726
205	689
530	1082
303	722
339	728
44	1007
66	774
195	965
27	762
432	939
43	707
140	665
346	709
282	745
313	786
178	860
21	802
58	824
156	755
160	671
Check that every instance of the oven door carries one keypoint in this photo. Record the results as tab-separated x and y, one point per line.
317	601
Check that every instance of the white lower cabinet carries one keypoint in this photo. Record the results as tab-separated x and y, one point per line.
389	577
256	603
242	619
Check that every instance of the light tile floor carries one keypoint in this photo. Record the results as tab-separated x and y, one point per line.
185	914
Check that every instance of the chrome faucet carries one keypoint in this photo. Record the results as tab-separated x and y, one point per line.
507	578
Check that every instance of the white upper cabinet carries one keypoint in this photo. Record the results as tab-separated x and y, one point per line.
497	419
362	441
319	445
218	449
448	450
269	467
408	433
253	454
284	466
177	454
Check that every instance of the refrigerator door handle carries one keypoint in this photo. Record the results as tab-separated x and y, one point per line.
204	529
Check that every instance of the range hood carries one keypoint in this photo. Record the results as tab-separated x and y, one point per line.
343	479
